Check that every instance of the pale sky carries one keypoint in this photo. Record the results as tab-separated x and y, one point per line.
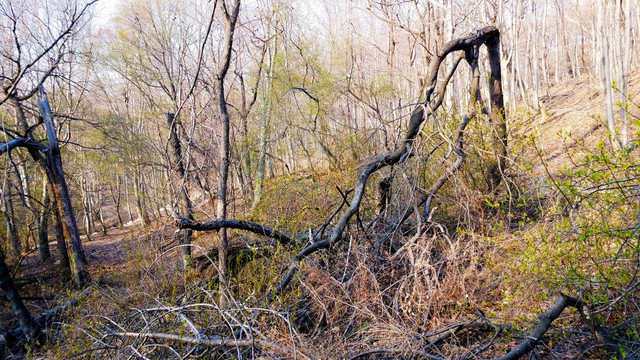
105	9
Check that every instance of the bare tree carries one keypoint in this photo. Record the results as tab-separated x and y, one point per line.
230	16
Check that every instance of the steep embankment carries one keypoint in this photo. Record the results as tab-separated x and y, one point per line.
572	115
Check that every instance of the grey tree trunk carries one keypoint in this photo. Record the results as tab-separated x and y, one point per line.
186	207
230	17
7	209
70	227
43	225
115	195
625	44
26	188
138	191
606	73
265	115
86	205
127	198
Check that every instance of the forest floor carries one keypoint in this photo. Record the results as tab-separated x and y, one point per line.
106	253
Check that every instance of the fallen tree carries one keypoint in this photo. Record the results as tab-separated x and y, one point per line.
430	100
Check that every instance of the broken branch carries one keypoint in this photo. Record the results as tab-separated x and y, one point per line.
215	225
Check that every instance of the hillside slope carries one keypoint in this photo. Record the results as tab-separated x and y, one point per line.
573	112
356	302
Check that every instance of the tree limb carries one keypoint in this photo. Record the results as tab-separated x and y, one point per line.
546	319
22	142
215	225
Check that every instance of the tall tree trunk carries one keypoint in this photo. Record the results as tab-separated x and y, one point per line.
70	227
625	44
138	192
14	240
61	245
26	188
230	17
127	198
606	72
265	115
86	207
186	208
116	196
43	224
498	117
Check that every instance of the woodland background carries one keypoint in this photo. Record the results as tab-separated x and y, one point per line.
213	149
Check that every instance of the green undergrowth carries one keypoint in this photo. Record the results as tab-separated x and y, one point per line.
587	243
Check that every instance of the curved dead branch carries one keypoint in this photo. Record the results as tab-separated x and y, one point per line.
469	44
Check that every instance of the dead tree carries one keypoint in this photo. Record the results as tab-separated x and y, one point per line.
230	16
37	152
63	199
431	97
488	36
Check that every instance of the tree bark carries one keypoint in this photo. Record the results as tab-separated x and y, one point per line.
115	195
185	202
61	245
606	73
219	224
138	192
625	44
14	240
498	115
25	182
43	225
265	116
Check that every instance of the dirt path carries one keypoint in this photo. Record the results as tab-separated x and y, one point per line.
41	285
